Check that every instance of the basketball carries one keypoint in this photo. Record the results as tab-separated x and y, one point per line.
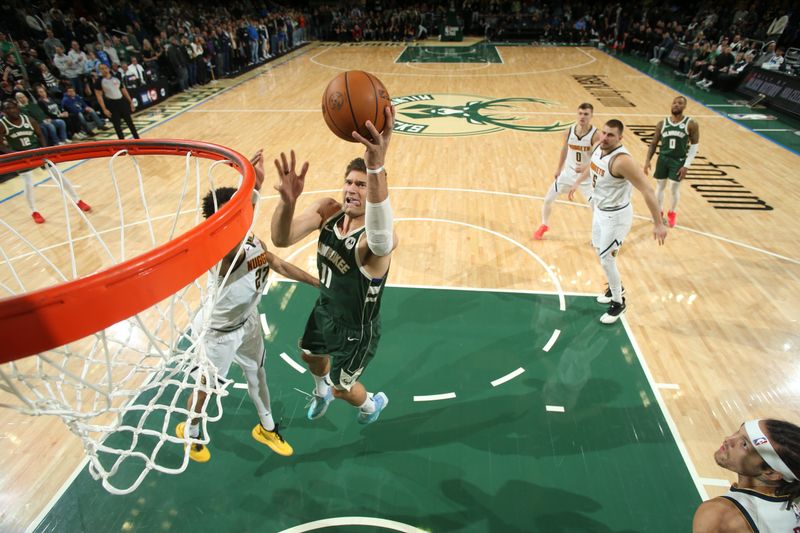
350	100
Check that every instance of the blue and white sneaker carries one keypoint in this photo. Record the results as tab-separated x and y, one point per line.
381	401
319	404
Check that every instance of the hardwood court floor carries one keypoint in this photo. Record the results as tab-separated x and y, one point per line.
714	312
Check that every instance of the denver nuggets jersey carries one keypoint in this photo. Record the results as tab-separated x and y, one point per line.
610	192
578	148
349	295
239	297
20	137
765	514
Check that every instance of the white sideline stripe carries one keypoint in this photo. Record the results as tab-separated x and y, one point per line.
672	386
53	186
713	482
725	105
508	377
554	408
240	385
353	521
435	397
670	422
292	363
774	129
552	341
264	325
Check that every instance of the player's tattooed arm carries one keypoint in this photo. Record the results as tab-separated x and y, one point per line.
651	150
290	271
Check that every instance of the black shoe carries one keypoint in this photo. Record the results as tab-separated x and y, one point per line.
605	298
615	310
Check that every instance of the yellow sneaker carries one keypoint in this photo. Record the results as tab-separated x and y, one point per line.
198	452
272	439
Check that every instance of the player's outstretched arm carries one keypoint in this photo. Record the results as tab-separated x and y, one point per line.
651	150
290	271
381	239
286	228
563	156
625	166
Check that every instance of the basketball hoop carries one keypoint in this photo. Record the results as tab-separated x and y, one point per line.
112	348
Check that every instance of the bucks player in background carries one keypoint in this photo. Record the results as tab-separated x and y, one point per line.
679	136
355	247
234	333
766	497
20	132
575	153
614	174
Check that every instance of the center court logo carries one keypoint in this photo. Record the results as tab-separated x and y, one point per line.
448	115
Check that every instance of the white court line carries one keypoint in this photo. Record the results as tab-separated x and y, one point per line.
725	105
554	408
671	423
292	363
670	386
240	385
435	397
713	482
57	496
353	521
552	341
508	377
773	129
559	113
264	325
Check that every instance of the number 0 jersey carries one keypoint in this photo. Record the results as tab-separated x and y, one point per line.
578	148
675	139
239	297
347	292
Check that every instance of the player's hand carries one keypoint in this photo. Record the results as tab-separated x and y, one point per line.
133	107
375	154
107	113
290	184
646	169
571	193
580	168
660	233
258	164
682	173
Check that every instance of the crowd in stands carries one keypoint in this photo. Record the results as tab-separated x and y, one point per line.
50	57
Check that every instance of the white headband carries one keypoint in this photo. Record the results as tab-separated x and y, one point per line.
764	448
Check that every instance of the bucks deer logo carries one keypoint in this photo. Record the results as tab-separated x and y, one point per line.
445	115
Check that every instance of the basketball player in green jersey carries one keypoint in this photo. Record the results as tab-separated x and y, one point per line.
20	132
680	139
355	246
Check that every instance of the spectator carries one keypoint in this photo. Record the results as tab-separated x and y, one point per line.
766	56
55	131
775	62
135	73
91	64
77	107
50	81
177	61
115	102
189	56
77	66
102	55
51	43
720	65
12	71
122	51
150	58
777	27
109	49
54	111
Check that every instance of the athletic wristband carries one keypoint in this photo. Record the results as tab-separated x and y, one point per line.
375	170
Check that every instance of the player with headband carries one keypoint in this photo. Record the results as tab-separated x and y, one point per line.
766	456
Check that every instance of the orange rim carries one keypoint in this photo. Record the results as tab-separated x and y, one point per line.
48	318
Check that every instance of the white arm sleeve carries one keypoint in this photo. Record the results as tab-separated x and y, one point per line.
380	230
691	153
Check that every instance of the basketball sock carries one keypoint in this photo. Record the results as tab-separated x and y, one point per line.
194	430
259	394
547	207
27	178
675	190
609	264
321	384
660	186
369	404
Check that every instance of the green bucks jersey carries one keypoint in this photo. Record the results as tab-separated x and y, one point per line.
675	139
347	292
22	136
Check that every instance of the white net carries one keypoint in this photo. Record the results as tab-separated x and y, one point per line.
124	389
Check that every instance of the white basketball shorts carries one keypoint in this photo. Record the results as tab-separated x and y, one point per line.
609	229
567	179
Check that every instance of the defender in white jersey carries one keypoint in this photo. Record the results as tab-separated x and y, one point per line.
234	333
614	174
575	153
766	497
